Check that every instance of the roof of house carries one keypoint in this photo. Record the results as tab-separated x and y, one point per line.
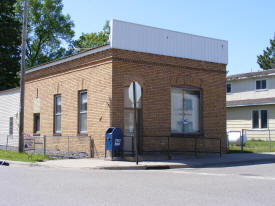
250	102
68	58
10	90
146	39
251	74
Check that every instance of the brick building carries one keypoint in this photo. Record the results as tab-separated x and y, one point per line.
182	80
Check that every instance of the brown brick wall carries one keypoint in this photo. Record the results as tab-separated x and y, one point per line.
94	76
105	74
157	74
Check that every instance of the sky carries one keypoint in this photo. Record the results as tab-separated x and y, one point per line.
247	25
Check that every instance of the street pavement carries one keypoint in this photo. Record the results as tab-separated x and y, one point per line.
235	184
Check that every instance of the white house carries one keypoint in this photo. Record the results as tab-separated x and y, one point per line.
250	102
9	116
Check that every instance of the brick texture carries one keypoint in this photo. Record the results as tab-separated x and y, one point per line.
105	75
157	74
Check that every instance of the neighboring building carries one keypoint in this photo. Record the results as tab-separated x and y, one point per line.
251	103
182	79
9	116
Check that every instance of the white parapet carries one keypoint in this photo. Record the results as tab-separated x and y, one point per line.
140	38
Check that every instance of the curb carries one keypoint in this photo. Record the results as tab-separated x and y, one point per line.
153	167
209	164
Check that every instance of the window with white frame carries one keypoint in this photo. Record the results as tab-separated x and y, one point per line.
228	88
259	119
57	114
261	84
185	110
82	115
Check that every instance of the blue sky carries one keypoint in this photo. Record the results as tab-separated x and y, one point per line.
248	25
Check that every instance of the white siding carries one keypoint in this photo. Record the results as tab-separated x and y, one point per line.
245	89
140	38
9	107
239	118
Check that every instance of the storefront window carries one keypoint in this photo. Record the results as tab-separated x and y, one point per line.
185	110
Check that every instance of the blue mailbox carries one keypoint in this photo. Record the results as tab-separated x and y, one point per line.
113	142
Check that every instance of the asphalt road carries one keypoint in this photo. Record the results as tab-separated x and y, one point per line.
236	185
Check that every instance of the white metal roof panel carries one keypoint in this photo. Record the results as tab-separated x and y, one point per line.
140	38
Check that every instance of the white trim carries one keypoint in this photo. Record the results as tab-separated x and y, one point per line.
70	58
246	105
250	77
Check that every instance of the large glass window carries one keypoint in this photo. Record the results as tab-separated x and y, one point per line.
57	114
82	116
185	110
259	119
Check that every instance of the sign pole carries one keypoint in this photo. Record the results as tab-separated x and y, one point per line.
135	120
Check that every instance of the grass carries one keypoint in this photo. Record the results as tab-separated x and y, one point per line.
254	146
23	157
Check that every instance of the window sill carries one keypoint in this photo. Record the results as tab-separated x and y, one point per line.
57	134
186	135
36	134
259	129
260	90
82	134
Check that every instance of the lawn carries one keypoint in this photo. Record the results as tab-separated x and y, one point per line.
24	157
254	146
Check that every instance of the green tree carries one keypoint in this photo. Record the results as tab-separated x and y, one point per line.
267	60
49	31
10	39
93	40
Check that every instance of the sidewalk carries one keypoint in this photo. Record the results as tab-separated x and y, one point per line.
189	162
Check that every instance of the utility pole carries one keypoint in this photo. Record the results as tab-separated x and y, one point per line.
22	80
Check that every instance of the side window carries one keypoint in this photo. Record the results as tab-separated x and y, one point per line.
11	126
36	124
261	84
82	112
57	114
228	88
259	119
